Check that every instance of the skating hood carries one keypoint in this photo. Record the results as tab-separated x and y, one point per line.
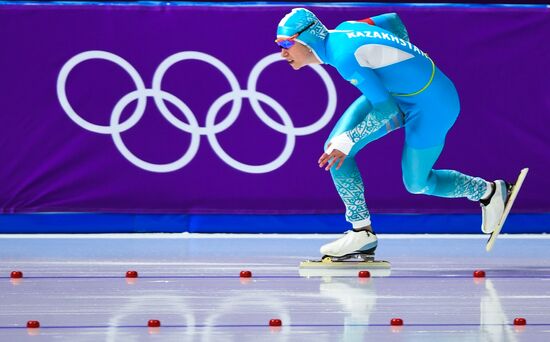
314	37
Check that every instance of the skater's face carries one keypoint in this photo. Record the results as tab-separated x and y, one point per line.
298	55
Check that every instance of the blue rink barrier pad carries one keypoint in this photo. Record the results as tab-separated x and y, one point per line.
283	224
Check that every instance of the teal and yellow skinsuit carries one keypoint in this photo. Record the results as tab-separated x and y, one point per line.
401	87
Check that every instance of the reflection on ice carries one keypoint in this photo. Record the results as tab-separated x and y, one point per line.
329	272
494	323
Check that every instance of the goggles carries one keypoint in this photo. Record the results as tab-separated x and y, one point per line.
288	42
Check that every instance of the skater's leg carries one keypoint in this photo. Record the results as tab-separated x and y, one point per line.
419	176
362	239
349	184
347	178
429	119
430	116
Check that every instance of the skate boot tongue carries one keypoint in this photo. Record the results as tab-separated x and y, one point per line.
485	201
357	230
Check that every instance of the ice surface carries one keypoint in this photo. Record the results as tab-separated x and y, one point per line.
75	286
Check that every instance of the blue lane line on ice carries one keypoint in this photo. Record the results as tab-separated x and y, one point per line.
266	325
544	276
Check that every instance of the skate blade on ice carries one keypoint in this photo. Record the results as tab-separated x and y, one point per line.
352	261
509	204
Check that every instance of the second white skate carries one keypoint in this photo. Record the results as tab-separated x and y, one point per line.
491	212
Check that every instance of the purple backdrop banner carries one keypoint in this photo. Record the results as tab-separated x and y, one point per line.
189	109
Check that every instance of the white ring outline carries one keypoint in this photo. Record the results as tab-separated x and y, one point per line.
316	126
211	128
195	55
268	167
98	54
169	167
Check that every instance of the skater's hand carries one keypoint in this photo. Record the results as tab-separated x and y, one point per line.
336	156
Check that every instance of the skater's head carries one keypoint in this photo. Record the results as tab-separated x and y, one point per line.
301	37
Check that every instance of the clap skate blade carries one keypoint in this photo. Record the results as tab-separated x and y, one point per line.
361	260
354	257
512	197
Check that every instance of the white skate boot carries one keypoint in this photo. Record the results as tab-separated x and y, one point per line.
354	244
355	250
492	209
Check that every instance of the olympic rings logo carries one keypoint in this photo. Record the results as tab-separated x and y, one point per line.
236	95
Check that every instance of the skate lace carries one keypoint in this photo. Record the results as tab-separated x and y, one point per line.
354	231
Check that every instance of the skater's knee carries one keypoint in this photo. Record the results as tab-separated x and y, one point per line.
416	186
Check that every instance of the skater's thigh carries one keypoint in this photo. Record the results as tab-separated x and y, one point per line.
355	113
426	128
352	117
431	114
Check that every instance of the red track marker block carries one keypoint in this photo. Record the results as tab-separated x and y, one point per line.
275	322
363	274
520	321
396	321
33	324
131	274
153	323
246	274
16	275
479	274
